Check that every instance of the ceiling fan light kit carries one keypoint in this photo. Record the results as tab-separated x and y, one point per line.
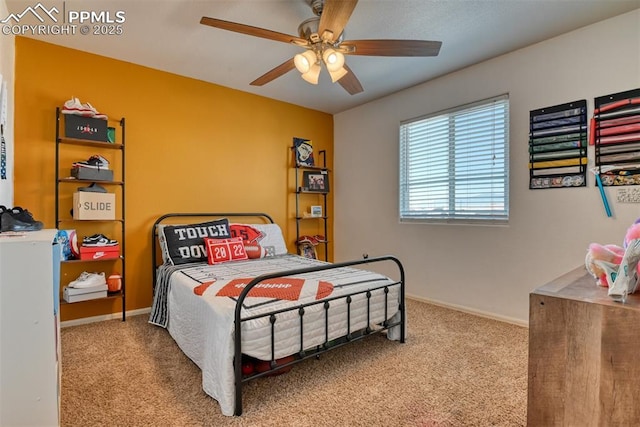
313	74
323	39
304	61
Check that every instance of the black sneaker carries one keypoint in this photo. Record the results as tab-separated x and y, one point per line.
98	240
18	219
93	188
94	162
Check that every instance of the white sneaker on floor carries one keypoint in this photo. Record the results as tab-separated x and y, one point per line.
87	280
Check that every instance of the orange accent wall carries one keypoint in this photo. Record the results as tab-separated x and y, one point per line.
190	146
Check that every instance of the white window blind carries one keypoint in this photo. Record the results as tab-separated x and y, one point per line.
454	165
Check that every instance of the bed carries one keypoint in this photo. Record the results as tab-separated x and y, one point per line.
290	308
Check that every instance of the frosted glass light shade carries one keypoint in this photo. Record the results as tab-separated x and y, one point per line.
332	59
312	75
304	61
338	74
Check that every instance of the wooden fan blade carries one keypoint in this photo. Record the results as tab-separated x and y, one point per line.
273	74
252	31
334	17
392	47
350	82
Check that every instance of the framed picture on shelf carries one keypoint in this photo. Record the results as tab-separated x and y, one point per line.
316	181
303	151
307	250
316	211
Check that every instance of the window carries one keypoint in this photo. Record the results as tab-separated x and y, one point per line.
454	165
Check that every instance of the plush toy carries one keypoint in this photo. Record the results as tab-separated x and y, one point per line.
632	233
603	260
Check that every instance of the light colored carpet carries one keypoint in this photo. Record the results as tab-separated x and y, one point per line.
455	369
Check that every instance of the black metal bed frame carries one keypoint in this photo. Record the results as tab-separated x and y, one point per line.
303	353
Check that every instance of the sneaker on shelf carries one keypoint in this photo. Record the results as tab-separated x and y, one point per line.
96	114
98	240
18	219
94	162
93	188
307	239
320	238
88	280
73	106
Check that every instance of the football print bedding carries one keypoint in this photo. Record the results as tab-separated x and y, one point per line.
287	305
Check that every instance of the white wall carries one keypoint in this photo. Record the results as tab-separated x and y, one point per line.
7	60
485	269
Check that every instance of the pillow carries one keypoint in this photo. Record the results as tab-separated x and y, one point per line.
223	250
182	244
271	238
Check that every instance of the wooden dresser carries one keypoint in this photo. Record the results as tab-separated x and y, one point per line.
584	355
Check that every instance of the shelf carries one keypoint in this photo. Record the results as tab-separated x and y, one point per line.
90	143
83	181
77	261
314	168
89	220
303	174
110	295
109	149
300	191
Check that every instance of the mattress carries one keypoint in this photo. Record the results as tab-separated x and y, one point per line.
196	303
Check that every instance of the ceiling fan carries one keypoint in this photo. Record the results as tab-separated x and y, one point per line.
322	37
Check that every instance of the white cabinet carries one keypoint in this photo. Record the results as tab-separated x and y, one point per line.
30	361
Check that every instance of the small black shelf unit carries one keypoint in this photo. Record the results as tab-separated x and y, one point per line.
322	196
63	186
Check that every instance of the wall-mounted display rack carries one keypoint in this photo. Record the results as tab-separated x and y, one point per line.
616	135
558	146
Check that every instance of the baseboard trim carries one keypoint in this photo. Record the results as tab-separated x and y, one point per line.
473	311
462	308
102	318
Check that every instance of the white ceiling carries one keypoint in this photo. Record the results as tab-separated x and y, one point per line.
167	35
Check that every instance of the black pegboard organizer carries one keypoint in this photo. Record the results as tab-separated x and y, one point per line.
616	136
558	146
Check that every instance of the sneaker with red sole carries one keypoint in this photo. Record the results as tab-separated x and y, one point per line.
307	239
74	106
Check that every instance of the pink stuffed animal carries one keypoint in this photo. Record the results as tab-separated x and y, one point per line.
632	233
602	260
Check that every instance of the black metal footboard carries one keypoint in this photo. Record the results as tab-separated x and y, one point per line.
305	353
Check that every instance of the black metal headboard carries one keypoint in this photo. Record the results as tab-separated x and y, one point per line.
193	216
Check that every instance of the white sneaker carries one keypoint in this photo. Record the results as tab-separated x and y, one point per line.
87	280
96	115
73	106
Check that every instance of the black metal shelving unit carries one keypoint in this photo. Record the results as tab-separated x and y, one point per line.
322	196
63	185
